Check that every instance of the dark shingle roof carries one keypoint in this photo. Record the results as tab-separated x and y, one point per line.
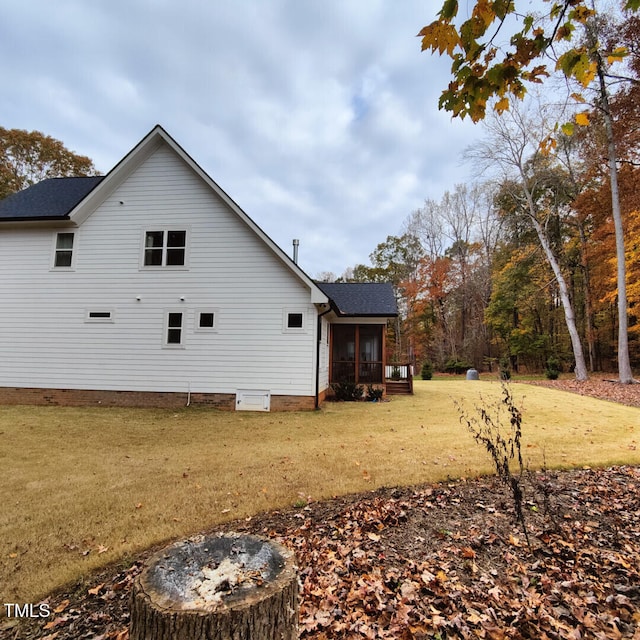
361	298
50	199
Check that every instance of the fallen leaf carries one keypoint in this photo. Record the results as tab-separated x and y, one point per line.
62	606
56	622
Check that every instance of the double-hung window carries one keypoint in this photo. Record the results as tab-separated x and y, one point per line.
174	329
165	248
63	254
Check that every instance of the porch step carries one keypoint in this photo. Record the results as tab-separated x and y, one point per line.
398	388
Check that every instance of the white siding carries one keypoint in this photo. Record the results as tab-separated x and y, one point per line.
323	372
46	342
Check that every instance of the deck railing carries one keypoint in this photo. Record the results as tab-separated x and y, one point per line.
400	372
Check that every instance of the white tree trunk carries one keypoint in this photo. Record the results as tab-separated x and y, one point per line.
569	315
624	364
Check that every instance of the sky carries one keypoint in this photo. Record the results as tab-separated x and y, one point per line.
318	117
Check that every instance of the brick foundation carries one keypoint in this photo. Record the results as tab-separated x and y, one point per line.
149	399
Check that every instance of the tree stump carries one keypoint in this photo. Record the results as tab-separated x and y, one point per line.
231	587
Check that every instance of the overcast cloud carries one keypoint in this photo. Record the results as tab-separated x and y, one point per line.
318	117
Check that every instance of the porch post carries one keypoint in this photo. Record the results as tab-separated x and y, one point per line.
384	357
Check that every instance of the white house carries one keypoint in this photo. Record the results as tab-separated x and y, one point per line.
150	286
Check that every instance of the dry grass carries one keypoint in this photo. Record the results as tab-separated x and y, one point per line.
84	487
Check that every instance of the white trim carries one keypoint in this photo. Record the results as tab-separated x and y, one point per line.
165	230
289	311
98	315
54	252
198	313
166	328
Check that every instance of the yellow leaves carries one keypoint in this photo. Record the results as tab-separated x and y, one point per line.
617	55
548	145
441	576
440	37
576	64
501	106
483	11
581	13
582	119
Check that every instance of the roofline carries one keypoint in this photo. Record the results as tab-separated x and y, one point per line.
64	218
143	150
341	314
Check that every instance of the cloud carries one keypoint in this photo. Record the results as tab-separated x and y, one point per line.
319	117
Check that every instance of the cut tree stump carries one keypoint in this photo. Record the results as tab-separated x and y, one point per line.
231	587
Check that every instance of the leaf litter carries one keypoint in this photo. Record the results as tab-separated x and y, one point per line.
445	560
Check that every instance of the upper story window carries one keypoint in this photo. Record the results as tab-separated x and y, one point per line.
165	248
63	255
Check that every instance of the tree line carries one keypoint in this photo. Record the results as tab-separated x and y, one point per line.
536	265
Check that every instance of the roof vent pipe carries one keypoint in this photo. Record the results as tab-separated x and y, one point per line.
296	244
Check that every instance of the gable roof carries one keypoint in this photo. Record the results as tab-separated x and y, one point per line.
51	199
103	187
372	299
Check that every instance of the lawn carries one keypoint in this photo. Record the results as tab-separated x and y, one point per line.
85	487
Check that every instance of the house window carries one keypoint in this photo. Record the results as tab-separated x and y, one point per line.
206	320
174	333
293	320
63	257
165	248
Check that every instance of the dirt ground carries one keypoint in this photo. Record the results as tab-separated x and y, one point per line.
446	560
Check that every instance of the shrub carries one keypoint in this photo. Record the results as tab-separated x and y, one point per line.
347	391
427	371
374	394
553	369
453	365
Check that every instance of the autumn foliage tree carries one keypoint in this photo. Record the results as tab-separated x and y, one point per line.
27	157
484	71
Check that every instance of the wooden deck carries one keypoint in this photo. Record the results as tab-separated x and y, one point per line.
399	379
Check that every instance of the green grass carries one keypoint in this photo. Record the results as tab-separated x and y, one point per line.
85	487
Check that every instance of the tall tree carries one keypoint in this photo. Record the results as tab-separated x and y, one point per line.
482	70
513	147
27	157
